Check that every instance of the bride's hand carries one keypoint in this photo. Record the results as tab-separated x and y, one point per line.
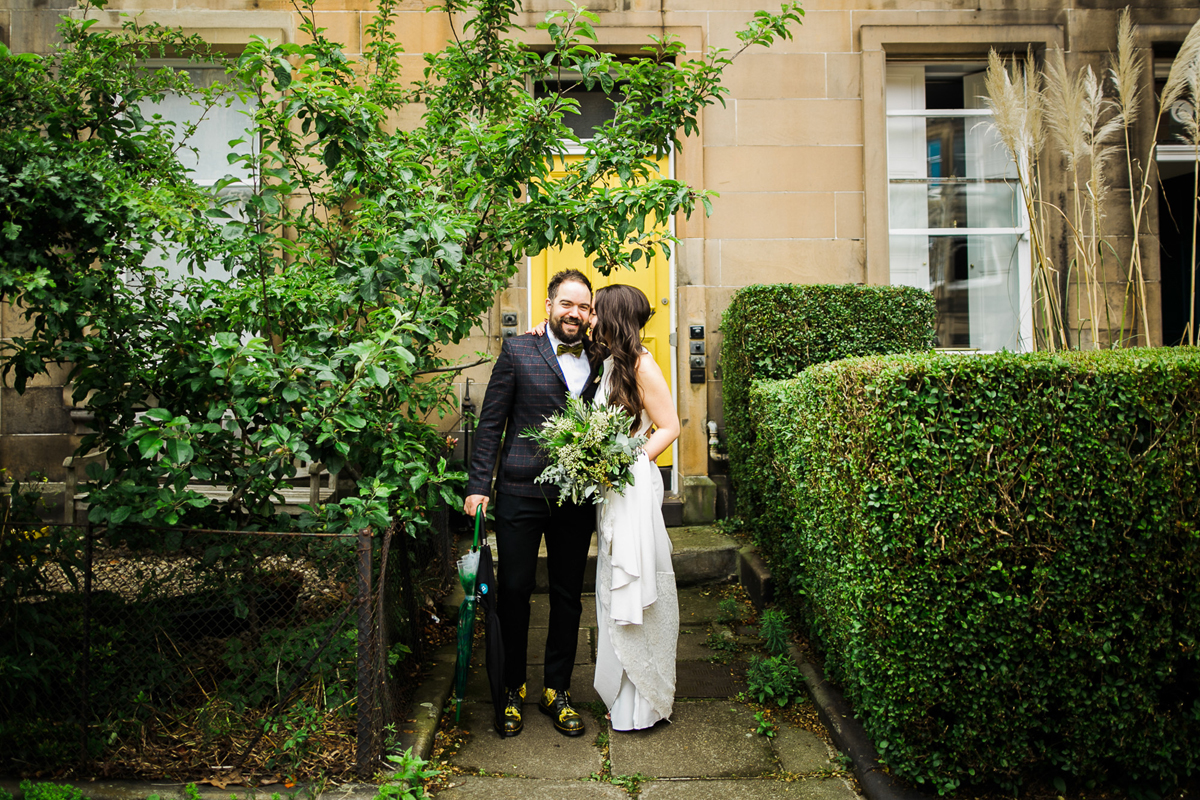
538	329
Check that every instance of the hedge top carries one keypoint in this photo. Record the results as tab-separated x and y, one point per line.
777	331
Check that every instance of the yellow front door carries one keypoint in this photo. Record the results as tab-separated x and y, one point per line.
654	280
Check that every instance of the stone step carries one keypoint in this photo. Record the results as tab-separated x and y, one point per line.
701	554
708	752
672	509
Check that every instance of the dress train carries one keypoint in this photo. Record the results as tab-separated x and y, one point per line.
637	607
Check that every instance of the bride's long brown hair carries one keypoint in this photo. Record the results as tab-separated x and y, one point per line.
622	312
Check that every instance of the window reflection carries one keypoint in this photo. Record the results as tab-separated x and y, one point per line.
955	211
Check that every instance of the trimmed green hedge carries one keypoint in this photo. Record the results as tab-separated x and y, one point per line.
777	331
1000	555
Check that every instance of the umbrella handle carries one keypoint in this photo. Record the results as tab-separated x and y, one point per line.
478	525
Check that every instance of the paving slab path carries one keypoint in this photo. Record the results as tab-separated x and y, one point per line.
709	749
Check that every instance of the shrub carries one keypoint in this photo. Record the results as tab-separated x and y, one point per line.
1001	555
777	331
774	679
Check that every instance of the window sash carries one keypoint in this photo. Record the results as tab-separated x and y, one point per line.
978	273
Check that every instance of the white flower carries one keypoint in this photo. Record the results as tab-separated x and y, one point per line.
589	448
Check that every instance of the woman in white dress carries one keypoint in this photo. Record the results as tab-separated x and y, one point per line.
637	609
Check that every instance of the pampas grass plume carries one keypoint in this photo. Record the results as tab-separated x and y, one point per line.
1185	63
1126	71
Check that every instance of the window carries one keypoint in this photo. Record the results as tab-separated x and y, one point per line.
208	148
956	223
596	107
1176	163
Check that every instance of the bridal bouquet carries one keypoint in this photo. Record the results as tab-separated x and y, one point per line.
590	450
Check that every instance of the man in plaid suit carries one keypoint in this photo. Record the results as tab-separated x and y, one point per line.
530	381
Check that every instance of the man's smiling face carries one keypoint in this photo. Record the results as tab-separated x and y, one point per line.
569	311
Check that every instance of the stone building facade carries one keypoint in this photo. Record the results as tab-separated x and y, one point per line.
825	157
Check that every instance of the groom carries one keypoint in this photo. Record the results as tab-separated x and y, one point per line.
530	381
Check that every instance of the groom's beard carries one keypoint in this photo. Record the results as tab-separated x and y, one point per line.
556	326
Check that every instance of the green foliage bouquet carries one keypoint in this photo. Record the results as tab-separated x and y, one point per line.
589	448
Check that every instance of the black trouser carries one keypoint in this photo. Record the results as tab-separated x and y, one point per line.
520	523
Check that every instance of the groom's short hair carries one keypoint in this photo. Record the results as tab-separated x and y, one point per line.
560	278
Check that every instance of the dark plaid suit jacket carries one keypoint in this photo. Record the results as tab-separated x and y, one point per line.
526	387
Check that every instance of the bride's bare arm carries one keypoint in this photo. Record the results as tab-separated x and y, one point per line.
656	397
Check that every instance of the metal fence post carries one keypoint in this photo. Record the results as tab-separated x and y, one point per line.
85	705
367	730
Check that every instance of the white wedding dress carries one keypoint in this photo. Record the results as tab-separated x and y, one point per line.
637	608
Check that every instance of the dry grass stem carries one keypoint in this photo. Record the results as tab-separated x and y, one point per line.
1076	106
1065	104
1126	76
1183	83
1008	111
1091	131
1191	133
1017	109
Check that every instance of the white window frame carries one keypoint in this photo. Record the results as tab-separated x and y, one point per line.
238	190
929	42
972	117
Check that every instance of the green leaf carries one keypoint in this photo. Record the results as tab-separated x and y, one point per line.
379	375
150	444
351	420
179	450
332	155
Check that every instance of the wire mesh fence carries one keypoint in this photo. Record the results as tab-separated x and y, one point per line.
197	653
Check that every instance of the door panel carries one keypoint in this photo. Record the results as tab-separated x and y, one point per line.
654	280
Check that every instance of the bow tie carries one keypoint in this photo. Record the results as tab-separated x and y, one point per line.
573	349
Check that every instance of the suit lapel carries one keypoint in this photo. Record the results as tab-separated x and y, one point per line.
547	351
593	381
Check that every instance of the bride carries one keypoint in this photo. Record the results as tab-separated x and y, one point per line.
637	609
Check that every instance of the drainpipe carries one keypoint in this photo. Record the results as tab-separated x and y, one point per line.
714	442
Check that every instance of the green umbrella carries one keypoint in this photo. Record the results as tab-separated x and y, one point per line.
468	573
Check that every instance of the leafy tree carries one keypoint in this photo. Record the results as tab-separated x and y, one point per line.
360	253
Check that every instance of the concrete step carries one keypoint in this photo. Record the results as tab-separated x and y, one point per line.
672	509
701	554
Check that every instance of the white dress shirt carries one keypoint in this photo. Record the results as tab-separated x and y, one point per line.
575	369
